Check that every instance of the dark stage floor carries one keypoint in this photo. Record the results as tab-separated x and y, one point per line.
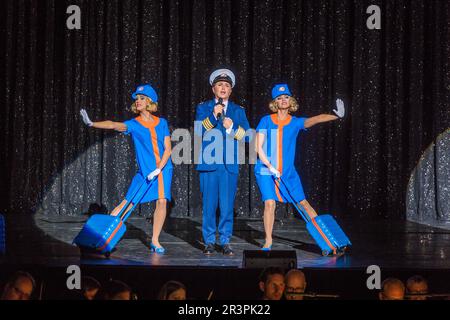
46	240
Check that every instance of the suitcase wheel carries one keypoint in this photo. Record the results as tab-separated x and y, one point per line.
341	251
325	253
108	254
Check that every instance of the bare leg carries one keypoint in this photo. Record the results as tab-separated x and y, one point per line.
269	219
158	220
309	210
117	209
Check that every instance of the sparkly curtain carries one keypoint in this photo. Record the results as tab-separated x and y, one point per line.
428	196
395	83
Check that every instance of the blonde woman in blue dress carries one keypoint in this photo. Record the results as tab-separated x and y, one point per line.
151	138
276	143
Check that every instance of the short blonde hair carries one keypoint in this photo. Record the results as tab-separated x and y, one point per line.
151	106
293	105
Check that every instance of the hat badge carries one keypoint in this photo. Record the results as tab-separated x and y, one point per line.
282	89
141	89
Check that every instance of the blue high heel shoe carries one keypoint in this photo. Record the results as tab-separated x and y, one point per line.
266	249
159	250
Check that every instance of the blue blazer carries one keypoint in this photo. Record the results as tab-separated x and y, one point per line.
204	125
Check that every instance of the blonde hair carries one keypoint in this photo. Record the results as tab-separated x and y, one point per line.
151	106
293	105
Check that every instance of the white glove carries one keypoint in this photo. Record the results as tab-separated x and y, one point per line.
340	111
86	119
228	131
275	172
153	174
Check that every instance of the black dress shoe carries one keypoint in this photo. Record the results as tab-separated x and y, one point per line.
209	249
226	250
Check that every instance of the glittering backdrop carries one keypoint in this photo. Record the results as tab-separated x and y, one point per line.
428	196
395	82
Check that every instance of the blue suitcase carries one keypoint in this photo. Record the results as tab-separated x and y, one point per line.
102	232
2	235
328	234
324	229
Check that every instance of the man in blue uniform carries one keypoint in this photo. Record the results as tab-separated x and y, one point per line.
221	118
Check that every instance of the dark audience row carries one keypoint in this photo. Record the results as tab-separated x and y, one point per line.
273	283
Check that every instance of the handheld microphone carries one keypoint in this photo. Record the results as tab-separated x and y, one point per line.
219	115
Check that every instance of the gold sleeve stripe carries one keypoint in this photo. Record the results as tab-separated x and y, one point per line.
207	124
240	133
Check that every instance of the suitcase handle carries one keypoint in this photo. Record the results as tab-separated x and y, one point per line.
136	195
304	216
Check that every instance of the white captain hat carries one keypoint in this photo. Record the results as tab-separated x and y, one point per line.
222	75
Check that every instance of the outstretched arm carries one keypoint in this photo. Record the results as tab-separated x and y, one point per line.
339	111
319	119
108	125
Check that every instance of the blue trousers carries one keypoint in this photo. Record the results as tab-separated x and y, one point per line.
218	189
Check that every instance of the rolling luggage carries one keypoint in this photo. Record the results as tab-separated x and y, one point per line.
102	232
324	229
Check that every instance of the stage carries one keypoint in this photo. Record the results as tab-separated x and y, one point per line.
42	244
47	240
